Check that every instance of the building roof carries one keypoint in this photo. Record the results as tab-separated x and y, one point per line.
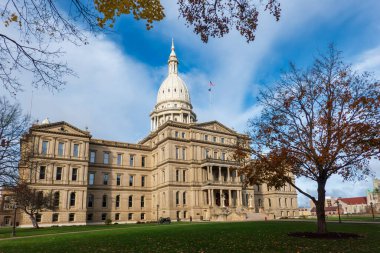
327	209
354	201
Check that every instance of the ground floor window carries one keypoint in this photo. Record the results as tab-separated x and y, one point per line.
184	214
104	216
55	217
38	217
117	216
130	216
143	216
71	216
90	216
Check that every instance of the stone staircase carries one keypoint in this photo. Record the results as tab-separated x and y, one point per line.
238	214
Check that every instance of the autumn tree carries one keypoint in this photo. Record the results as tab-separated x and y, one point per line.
315	123
13	124
33	30
31	201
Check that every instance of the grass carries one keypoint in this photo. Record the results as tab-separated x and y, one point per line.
345	217
268	236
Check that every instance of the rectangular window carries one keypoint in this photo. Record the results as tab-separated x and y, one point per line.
223	156
71	216
58	174
142	201
104	201
222	140
105	179
130	201
206	137
176	134
42	172
90	216
106	157
176	153
55	217
184	176
130	180
183	154
177	175
74	174
143	161
61	148
117	201
76	150
206	153
143	181
91	178
118	179
38	217
119	159
45	145
183	135
92	156
104	216
130	216
131	160
143	216
215	155
117	216
214	139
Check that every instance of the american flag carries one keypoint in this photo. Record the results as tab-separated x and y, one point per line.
210	85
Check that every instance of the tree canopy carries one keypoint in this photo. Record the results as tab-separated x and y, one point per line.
315	123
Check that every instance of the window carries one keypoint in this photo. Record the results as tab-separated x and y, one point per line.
76	150
177	175
270	203
104	216
104	201
177	198
286	202
259	202
71	216
183	154
214	139
119	159
90	201
45	145
222	140
90	216
130	216
91	178
117	216
142	201
58	174
106	158
117	201
72	199
215	155
130	180
92	156
55	217
143	161
74	174
142	216
184	176
279	202
176	134
143	181
183	135
223	156
206	137
38	217
184	198
131	160
105	179
130	200
42	172
118	179
176	153
56	199
60	148
206	153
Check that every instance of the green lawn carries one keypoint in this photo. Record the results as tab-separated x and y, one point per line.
207	237
349	218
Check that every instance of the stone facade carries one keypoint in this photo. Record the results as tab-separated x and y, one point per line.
182	169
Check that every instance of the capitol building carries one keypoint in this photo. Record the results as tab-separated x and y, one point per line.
183	169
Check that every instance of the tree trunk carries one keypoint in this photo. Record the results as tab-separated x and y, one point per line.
34	221
320	208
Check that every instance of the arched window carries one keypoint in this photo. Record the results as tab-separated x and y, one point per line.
130	201
72	199
177	198
142	201
90	202
56	199
104	201
117	201
184	198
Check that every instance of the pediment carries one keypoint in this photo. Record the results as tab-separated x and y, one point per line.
61	128
215	126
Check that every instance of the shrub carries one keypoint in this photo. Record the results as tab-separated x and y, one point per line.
108	222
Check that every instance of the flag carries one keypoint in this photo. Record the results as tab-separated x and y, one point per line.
210	85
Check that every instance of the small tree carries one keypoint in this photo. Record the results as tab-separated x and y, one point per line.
31	201
315	123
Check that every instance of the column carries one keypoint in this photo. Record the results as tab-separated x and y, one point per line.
209	197
221	198
220	174
228	175
238	198
212	197
229	197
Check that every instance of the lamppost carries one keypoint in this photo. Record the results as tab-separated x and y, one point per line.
157	211
337	201
373	214
14	220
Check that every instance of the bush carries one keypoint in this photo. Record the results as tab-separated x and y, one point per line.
108	222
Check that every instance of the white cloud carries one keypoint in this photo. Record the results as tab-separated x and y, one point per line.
369	61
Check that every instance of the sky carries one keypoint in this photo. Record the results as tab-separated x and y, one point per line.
119	73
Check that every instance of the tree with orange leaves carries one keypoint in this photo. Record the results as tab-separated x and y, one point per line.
315	123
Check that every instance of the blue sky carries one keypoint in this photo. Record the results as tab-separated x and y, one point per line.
119	73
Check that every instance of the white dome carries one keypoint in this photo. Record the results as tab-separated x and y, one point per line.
45	121
173	88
